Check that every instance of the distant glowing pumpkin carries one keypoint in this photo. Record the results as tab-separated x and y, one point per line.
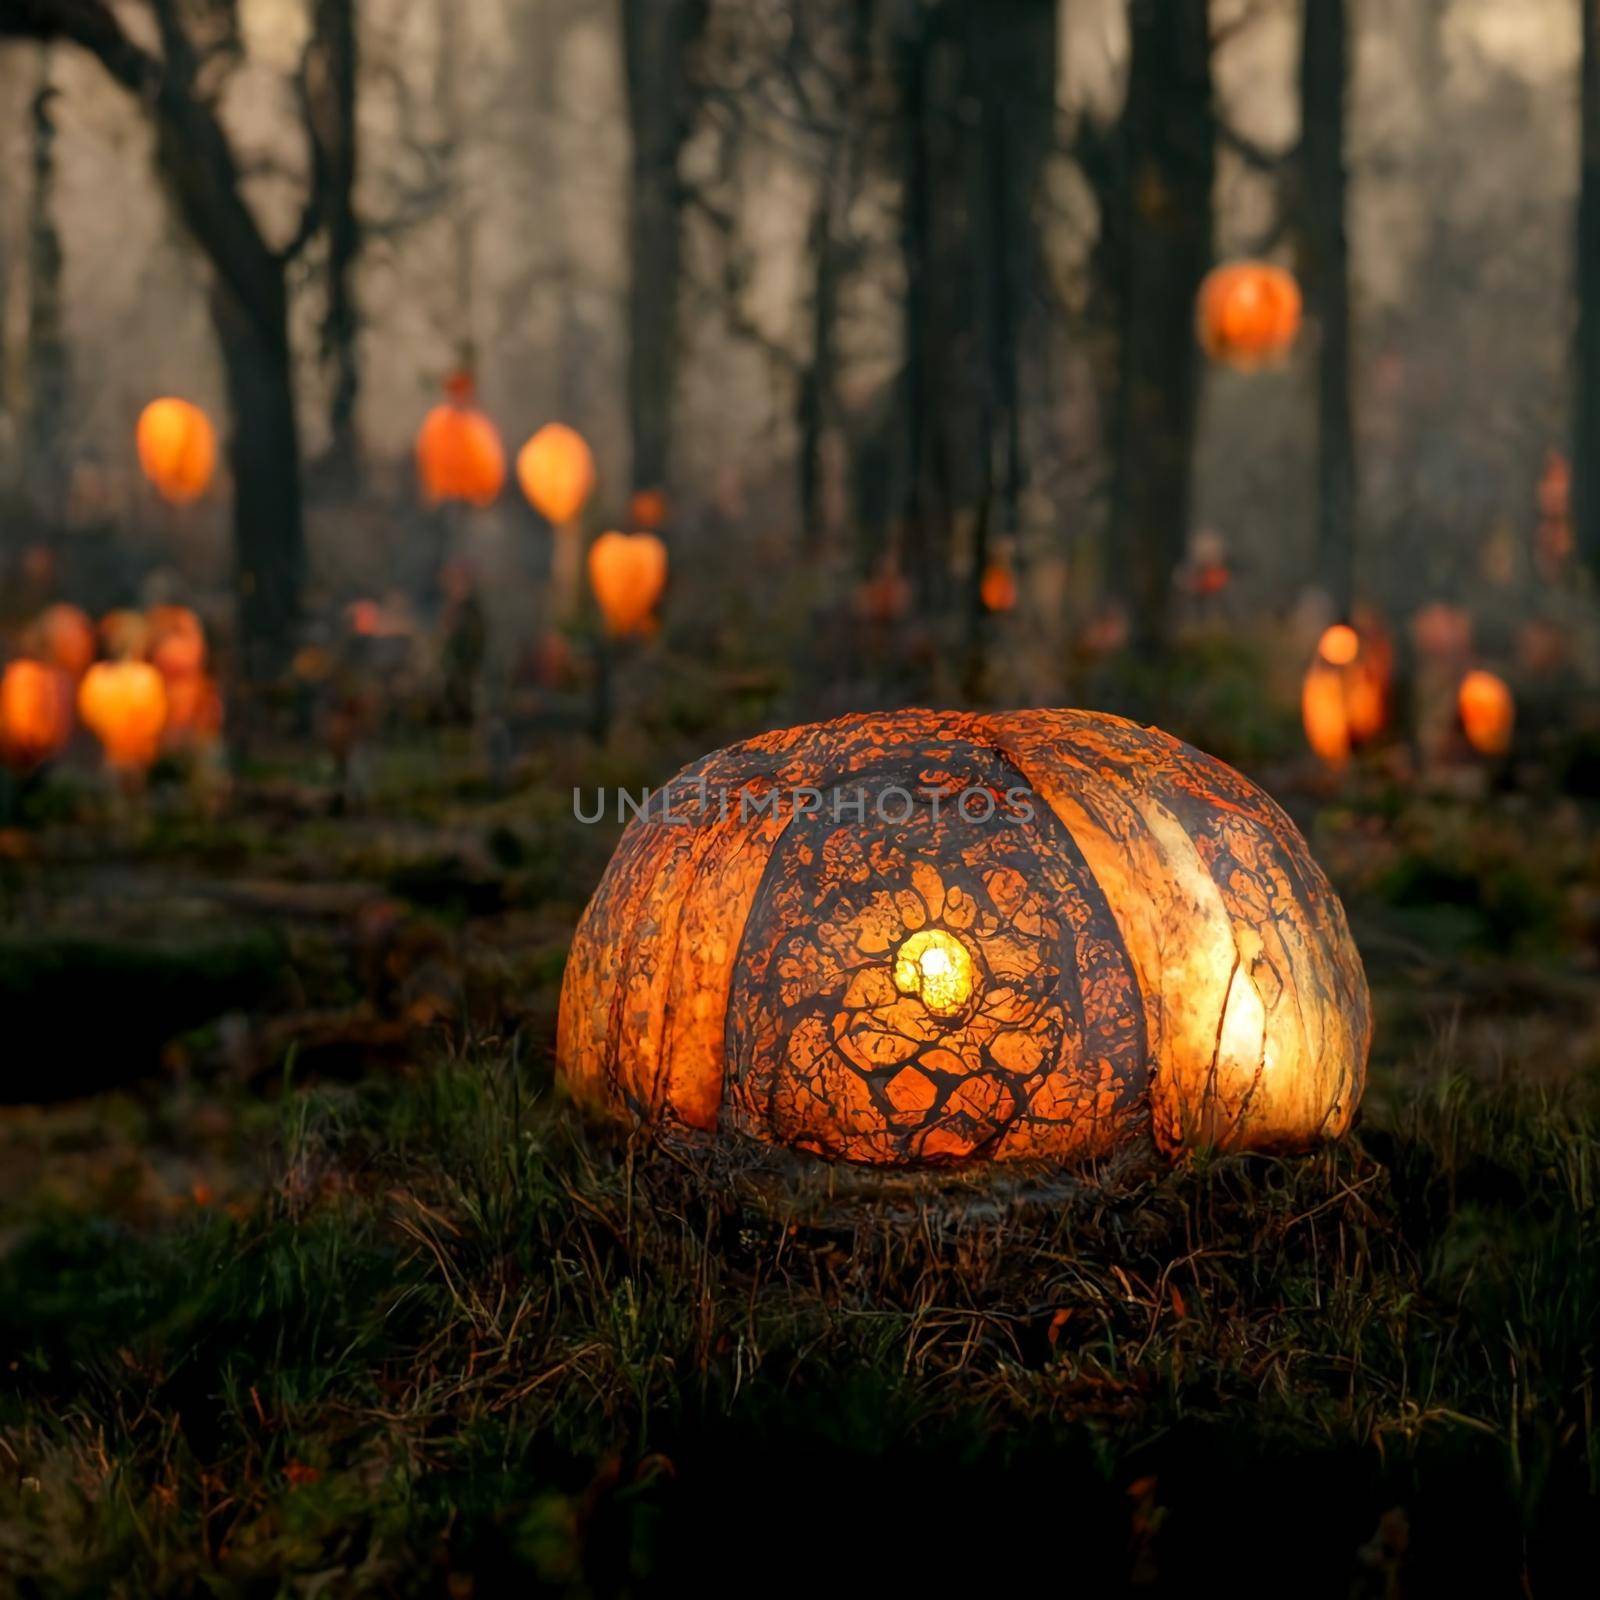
927	937
194	711
177	449
556	471
1344	699
1488	712
177	641
35	713
628	573
124	704
647	510
997	588
459	454
1248	314
65	637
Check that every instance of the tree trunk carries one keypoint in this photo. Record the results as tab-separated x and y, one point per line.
1165	165
659	37
1586	406
1326	274
48	374
331	67
264	457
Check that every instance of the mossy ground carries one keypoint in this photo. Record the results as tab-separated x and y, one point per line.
338	1295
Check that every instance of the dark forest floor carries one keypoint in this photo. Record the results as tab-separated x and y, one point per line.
334	1293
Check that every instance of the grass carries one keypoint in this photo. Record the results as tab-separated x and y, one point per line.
424	1330
449	1331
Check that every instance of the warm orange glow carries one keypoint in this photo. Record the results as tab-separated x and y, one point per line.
998	588
459	454
1324	715
124	635
177	641
65	637
35	713
647	510
194	710
1488	712
124	704
628	573
177	449
1248	314
936	968
556	471
1146	948
1339	645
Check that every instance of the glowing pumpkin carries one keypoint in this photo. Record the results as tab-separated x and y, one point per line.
1344	700
35	713
647	510
1488	712
124	704
459	454
177	641
1248	314
65	637
628	572
926	937
177	449
997	588
556	471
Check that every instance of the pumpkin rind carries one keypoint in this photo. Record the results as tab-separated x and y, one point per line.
1145	938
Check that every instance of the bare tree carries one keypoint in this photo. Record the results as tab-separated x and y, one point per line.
1326	272
249	294
47	356
1586	407
328	76
1156	247
659	39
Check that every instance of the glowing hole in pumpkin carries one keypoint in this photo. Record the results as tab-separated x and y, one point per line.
936	968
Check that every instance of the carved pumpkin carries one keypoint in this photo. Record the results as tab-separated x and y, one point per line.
997	588
628	572
459	454
65	637
177	449
1248	314
1488	712
124	704
556	471
35	713
926	937
1344	701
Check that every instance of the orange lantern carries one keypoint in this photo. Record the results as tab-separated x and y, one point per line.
647	510
459	454
177	641
124	704
65	637
1488	712
35	713
124	635
177	449
1344	700
1248	314
556	471
946	937
628	572
997	588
